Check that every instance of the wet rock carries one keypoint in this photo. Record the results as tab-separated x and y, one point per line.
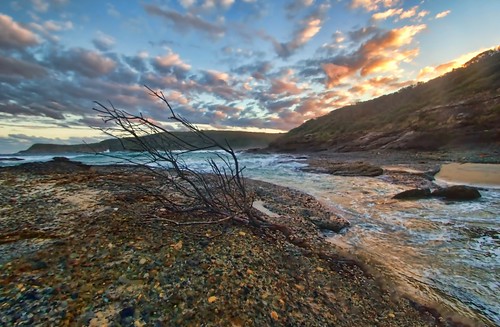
343	168
334	223
413	194
39	264
457	192
11	159
126	312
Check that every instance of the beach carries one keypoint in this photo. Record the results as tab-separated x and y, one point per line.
86	245
82	246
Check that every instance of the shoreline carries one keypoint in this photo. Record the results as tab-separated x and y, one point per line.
276	199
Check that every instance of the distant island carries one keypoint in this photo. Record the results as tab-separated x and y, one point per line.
237	139
459	110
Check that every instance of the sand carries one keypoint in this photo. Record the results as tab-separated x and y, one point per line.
475	174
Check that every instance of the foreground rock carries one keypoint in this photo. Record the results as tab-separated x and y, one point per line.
333	223
343	168
455	192
11	159
413	194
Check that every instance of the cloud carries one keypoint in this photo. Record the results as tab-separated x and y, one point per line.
86	62
103	42
171	63
336	73
33	109
363	33
50	27
386	14
442	14
430	72
308	29
213	77
373	5
296	6
40	5
20	68
258	70
284	87
13	35
56	26
112	11
399	13
43	6
383	52
187	22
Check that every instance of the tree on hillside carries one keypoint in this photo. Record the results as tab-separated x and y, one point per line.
221	192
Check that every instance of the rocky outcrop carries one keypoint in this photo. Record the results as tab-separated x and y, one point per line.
11	159
455	192
343	168
413	194
458	110
56	165
333	223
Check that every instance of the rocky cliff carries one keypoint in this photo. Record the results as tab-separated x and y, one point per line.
460	109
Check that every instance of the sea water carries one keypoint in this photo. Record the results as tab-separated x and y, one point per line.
447	253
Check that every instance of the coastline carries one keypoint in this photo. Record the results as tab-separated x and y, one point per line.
85	243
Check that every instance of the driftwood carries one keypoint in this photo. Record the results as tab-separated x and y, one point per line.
220	192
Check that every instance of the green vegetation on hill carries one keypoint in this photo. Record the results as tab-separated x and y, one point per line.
457	110
238	141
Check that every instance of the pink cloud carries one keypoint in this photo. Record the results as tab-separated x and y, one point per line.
171	60
13	35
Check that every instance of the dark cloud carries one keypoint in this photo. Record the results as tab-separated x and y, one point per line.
361	34
138	62
32	109
257	70
20	68
103	42
82	61
296	6
186	22
307	29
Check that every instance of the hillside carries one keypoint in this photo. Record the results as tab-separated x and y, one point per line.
458	110
238	140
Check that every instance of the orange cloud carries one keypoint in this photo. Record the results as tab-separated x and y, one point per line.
430	72
442	14
335	73
281	86
386	14
372	5
382	53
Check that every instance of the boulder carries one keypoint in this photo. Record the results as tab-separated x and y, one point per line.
416	193
457	192
333	223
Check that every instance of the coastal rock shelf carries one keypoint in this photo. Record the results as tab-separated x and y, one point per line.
104	259
454	192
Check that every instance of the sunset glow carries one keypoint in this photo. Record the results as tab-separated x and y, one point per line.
224	64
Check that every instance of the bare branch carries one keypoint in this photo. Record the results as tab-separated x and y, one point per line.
221	192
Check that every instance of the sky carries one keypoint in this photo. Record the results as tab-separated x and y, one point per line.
255	65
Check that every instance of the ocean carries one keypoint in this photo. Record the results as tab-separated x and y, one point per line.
446	254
